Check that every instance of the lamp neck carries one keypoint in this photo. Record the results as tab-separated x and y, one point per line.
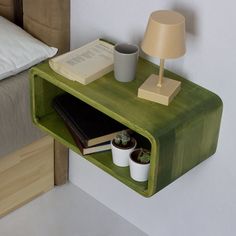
161	72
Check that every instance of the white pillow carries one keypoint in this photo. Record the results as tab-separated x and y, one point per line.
19	50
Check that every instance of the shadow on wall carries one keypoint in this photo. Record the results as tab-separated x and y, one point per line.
134	38
190	18
192	32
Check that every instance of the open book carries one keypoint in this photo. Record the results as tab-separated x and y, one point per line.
86	63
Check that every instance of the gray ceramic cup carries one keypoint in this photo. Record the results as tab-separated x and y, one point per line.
125	61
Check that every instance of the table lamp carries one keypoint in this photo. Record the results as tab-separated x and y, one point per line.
164	38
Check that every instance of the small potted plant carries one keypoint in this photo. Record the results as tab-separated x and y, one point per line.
121	146
139	162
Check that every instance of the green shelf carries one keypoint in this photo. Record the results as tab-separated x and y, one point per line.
180	135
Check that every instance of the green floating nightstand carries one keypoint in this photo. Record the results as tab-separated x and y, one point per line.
180	135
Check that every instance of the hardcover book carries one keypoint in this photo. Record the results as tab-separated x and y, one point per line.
91	126
86	63
88	150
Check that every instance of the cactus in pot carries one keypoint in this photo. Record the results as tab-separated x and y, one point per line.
139	162
143	156
121	146
122	139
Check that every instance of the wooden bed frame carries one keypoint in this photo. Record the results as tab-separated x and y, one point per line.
34	169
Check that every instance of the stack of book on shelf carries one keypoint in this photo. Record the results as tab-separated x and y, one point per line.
91	130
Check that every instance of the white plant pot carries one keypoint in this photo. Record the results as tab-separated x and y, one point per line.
120	156
138	172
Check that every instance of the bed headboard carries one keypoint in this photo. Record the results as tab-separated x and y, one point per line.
47	20
7	9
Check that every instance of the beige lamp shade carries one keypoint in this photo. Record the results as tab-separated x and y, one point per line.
165	35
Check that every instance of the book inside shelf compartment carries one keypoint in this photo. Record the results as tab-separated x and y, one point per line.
50	121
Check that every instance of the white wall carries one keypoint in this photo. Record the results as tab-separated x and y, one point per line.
203	201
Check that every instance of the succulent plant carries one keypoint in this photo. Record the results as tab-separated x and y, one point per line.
144	156
122	138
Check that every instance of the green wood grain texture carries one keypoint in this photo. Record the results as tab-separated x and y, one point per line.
181	135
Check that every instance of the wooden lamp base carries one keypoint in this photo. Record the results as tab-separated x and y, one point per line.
164	94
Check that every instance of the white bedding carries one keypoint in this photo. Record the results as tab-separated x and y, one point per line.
19	50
